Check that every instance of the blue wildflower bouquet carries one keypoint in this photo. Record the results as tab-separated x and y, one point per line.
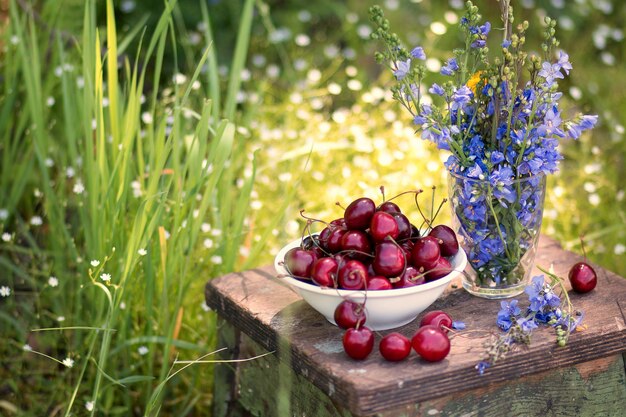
499	118
548	305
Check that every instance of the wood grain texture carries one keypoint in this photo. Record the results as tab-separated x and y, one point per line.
264	308
595	388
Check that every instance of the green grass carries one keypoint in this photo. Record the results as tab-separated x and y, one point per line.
149	177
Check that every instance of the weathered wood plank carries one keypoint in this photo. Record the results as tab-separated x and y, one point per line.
265	309
595	388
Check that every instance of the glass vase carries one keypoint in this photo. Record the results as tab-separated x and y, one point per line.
498	225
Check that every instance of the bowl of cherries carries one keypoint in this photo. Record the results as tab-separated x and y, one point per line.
376	259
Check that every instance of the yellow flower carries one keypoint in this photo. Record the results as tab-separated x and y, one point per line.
472	82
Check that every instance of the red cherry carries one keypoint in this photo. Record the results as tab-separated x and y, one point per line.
299	262
582	277
340	222
357	241
404	226
410	278
448	243
437	318
383	225
359	213
358	343
349	314
441	269
389	259
352	275
378	283
333	243
415	232
323	237
431	343
324	272
395	347
425	253
389	207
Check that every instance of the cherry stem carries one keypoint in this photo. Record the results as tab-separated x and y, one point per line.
337	203
582	245
415	192
432	204
311	219
422	214
465	333
444	201
382	191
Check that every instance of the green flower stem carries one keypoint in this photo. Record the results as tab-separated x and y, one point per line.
495	216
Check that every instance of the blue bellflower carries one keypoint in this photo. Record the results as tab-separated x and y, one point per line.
450	67
403	68
508	312
418	53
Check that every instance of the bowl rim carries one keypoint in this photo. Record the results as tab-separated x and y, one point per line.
460	257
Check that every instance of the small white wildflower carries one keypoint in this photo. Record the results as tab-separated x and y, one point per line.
94	262
69	362
105	277
6	237
216	232
80	82
146	117
302	40
70	172
196	85
36	221
78	188
258	60
27	348
208	243
167	235
50	101
196	213
619	249
15	40
61	319
89	405
53	282
205	227
4	214
37	193
142	252
216	259
334	88
122	306
94	124
5	291
205	307
594	199
355	85
180	78
142	350
272	70
49	162
58	71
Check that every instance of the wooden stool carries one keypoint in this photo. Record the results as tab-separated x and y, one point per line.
309	375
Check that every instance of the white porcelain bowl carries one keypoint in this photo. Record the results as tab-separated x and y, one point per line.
384	309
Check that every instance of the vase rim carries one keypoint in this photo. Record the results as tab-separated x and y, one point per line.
523	179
